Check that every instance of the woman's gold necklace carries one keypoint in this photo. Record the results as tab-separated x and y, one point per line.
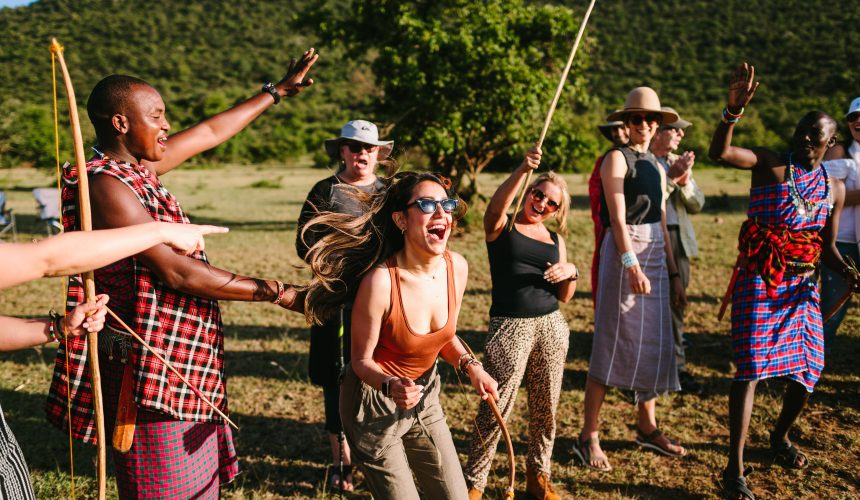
424	277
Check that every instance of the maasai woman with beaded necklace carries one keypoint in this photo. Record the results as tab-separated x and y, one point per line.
776	320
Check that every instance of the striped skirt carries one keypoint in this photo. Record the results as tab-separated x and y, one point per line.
14	476
633	344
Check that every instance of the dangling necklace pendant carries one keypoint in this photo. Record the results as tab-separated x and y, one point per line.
804	207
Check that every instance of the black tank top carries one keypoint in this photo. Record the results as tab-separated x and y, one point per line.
643	188
517	263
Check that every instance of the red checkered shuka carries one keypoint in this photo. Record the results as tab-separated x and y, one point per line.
184	328
771	250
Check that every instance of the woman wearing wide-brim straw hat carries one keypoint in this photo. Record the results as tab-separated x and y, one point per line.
633	345
357	151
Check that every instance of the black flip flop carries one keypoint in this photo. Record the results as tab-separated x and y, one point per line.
737	486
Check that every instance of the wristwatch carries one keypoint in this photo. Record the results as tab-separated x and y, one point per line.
270	88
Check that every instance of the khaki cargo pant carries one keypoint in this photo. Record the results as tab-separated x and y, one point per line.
390	444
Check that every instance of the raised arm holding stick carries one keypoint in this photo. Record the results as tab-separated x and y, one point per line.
554	101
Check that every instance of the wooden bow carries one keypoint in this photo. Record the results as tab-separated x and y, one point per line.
512	463
85	218
552	106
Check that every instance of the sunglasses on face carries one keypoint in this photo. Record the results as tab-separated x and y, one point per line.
539	195
638	119
358	147
853	117
428	205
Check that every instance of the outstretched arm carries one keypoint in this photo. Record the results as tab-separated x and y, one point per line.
495	217
741	91
217	129
114	205
76	252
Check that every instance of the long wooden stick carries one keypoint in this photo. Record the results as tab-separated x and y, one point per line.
170	367
552	105
85	221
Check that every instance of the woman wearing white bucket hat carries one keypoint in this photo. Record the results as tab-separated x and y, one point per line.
358	151
633	347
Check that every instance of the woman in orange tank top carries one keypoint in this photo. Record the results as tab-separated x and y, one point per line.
407	289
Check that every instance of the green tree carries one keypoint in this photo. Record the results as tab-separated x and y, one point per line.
462	80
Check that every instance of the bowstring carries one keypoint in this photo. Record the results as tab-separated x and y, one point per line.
63	281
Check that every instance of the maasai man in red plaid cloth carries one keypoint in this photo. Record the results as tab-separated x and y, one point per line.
776	320
181	448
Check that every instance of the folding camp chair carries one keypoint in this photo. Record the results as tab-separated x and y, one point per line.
48	204
7	218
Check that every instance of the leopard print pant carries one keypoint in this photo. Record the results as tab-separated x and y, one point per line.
535	348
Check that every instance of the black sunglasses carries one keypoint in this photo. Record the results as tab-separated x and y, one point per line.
638	119
540	196
852	117
428	205
358	147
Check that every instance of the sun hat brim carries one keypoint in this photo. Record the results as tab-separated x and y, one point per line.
332	147
606	128
668	117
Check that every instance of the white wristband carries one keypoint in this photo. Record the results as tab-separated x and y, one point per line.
628	259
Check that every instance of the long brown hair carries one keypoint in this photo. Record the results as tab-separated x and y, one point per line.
353	245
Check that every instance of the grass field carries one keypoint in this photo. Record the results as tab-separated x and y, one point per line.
282	444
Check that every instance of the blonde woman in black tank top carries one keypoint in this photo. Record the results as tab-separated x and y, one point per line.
529	335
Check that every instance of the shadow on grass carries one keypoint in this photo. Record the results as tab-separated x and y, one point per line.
256	332
278	365
275	461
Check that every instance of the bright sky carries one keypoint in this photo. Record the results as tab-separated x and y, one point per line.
14	3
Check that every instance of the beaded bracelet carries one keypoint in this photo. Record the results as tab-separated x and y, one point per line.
729	117
470	362
628	259
280	297
55	326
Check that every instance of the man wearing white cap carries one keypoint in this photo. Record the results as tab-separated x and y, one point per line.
685	198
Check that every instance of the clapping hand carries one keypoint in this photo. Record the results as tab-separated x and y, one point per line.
680	170
742	87
294	81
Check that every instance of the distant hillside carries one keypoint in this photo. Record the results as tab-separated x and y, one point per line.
205	55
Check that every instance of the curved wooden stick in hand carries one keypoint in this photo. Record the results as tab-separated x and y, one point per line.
85	223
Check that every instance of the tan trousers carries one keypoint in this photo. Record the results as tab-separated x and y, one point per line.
390	444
